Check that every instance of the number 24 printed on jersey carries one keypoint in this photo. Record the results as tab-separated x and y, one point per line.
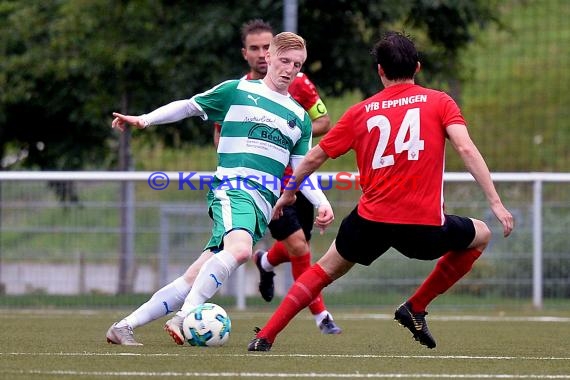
413	144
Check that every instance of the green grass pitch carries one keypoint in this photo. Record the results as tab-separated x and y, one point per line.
52	344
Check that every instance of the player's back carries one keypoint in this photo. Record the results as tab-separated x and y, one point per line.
399	139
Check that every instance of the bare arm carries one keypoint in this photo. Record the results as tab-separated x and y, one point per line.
321	125
476	165
216	135
311	162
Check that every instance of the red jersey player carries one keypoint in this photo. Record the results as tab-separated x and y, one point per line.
399	137
292	231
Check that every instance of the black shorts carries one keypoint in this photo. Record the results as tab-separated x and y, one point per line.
362	241
300	215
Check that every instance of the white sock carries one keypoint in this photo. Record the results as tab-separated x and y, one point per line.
322	315
210	279
265	264
164	301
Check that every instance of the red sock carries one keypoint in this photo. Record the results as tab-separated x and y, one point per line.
449	269
302	292
299	264
277	254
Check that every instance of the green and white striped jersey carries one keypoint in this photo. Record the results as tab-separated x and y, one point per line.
261	130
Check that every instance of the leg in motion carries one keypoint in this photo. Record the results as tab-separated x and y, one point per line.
211	277
164	301
323	318
450	268
309	284
299	296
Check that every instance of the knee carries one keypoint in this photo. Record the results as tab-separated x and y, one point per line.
241	254
191	273
482	235
296	245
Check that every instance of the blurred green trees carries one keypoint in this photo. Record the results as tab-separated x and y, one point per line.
66	65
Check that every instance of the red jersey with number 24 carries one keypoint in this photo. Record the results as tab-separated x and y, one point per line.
398	136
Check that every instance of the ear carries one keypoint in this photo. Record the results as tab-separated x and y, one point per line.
381	71
418	67
243	53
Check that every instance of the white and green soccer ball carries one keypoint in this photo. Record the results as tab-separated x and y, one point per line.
207	325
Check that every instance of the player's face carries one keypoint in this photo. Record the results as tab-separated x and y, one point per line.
256	45
283	68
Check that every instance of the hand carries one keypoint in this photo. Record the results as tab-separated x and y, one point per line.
505	217
324	217
287	198
120	121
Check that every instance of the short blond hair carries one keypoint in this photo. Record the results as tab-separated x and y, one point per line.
287	41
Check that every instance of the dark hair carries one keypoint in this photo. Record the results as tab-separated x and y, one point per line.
397	55
254	26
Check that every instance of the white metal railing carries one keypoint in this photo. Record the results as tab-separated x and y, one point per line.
536	178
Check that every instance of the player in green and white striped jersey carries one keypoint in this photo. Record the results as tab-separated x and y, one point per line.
263	130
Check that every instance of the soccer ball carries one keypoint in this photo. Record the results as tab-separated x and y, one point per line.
207	325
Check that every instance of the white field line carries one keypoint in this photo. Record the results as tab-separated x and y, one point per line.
339	316
269	355
355	375
470	318
288	375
